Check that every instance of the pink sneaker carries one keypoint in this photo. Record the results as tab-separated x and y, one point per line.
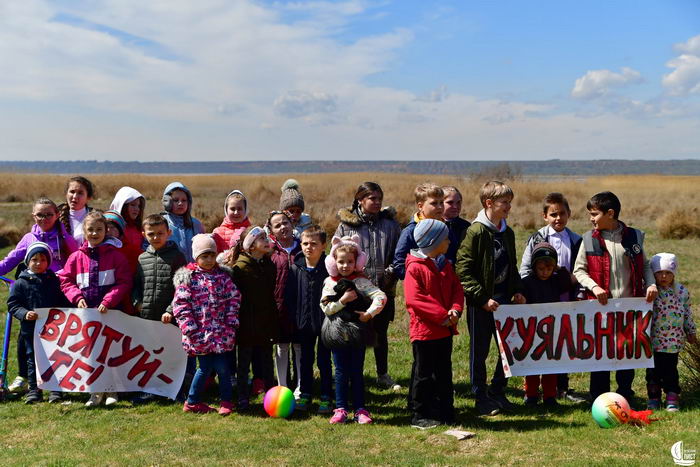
258	386
199	407
226	408
339	416
362	417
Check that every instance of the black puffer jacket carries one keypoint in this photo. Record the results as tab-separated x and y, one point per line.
153	285
302	296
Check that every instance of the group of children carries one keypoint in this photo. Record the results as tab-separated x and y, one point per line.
257	296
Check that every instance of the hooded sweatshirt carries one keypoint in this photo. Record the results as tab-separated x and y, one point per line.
183	227
133	239
53	238
228	233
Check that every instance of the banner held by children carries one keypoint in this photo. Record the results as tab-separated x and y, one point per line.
571	337
83	350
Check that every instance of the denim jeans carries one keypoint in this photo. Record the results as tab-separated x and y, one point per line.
323	361
349	366
207	364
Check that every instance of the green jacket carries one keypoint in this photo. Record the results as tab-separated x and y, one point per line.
475	264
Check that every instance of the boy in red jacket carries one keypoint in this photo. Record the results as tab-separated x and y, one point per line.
434	299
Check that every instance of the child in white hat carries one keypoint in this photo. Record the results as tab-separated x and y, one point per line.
673	324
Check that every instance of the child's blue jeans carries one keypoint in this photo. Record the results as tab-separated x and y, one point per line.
209	363
349	367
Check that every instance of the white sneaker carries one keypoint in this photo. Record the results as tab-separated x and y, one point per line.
387	382
111	398
95	399
19	384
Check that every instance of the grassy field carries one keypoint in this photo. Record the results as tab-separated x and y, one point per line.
161	434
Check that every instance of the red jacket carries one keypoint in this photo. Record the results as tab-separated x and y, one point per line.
430	294
132	246
227	234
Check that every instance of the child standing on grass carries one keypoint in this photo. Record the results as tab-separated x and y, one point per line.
235	221
347	260
206	307
434	301
177	201
452	208
292	201
486	266
97	276
254	274
36	287
49	230
673	324
130	204
612	264
79	191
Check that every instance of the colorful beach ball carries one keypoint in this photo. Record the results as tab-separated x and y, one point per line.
610	410
279	402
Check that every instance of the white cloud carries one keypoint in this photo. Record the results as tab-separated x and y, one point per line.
597	83
296	104
685	78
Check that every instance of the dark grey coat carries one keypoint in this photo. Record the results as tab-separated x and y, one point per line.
153	285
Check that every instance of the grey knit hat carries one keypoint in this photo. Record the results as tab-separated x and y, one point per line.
429	234
291	195
38	247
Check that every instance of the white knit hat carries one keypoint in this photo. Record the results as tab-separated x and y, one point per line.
664	262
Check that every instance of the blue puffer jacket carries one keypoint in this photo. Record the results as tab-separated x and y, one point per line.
183	227
405	244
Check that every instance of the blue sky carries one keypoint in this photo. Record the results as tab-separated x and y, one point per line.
363	79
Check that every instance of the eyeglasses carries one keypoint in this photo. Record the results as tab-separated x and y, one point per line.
44	216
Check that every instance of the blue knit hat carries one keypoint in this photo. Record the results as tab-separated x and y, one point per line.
117	219
429	233
38	247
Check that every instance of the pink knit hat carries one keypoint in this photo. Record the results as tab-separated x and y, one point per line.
202	243
360	262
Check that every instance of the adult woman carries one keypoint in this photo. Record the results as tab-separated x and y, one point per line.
379	232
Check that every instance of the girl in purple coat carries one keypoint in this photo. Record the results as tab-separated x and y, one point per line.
206	307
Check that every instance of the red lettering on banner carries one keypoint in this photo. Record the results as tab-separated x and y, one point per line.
545	329
585	343
565	335
527	334
73	374
165	378
503	331
601	333
111	335
50	331
96	374
643	341
69	330
147	368
624	333
59	359
89	338
127	353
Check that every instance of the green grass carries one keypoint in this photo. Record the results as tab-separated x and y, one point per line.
161	434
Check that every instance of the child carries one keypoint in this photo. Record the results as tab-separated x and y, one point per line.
545	283
153	290
429	200
292	201
301	299
116	226
79	191
347	260
130	205
486	266
673	323
96	276
452	208
177	201
254	274
434	301
47	229
36	287
612	264
284	247
235	221
556	213
206	307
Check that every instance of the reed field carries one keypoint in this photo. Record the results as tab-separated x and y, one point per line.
161	434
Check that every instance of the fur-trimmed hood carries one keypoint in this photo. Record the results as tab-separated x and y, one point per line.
350	217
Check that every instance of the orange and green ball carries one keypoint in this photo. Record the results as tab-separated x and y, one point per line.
279	402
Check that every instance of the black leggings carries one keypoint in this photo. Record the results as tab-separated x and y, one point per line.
381	327
664	375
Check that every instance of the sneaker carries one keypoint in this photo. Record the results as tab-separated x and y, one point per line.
324	407
532	401
33	396
55	396
487	406
226	408
550	402
502	402
653	404
111	398
243	405
302	403
362	417
339	416
199	407
385	381
258	387
143	398
672	403
424	423
571	396
18	385
96	399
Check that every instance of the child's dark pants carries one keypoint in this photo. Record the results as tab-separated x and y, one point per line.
482	328
432	379
664	375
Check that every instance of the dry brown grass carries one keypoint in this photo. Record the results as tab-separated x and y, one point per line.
644	198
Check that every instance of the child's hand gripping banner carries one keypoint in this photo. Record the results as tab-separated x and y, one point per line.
572	337
83	350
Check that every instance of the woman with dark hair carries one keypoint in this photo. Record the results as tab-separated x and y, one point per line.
379	232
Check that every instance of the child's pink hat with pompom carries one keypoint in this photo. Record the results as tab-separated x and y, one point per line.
360	262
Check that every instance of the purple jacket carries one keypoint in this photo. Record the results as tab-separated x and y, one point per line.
206	307
52	238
